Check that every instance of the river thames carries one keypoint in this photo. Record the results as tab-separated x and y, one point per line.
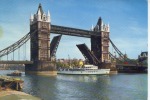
86	87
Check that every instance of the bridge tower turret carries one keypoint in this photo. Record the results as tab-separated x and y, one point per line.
40	44
100	44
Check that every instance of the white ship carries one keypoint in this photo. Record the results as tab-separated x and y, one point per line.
86	70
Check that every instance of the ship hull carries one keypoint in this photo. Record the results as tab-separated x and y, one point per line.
85	72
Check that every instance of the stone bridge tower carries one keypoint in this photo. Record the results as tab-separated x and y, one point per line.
100	44
40	44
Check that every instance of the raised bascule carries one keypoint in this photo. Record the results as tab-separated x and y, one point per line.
43	53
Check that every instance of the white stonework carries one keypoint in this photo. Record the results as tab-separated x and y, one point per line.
105	27
40	16
31	19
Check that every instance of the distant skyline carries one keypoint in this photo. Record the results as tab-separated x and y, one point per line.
128	20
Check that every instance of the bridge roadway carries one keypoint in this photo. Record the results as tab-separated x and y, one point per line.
128	65
73	31
16	62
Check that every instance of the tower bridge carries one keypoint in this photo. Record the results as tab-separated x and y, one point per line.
42	52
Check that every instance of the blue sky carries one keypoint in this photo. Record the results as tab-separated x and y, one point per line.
128	21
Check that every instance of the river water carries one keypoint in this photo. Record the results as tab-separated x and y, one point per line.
86	87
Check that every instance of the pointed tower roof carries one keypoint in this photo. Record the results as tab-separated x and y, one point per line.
108	25
40	9
99	21
31	16
48	14
92	27
102	23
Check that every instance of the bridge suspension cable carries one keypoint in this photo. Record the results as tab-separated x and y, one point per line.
116	49
114	57
16	45
119	53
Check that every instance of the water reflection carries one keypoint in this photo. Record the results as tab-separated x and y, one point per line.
40	86
86	87
84	78
67	86
82	87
